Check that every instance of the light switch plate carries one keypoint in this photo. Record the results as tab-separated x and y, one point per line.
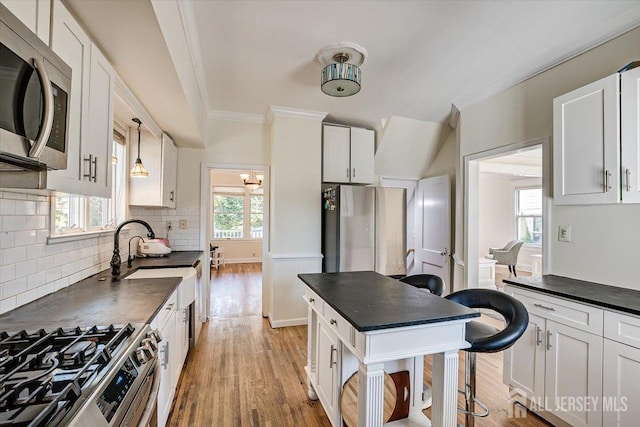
183	224
564	233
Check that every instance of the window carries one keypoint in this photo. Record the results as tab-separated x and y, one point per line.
529	215
83	214
237	213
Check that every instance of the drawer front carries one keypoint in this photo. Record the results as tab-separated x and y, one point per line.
165	312
577	315
314	301
343	329
622	328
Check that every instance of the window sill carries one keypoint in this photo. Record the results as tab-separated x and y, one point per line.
73	237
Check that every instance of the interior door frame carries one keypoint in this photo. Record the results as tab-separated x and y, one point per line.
205	230
471	202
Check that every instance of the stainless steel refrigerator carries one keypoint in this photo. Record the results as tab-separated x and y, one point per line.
364	229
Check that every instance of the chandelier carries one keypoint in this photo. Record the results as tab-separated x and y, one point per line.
252	180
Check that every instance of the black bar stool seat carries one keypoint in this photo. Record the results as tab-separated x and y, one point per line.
430	282
487	339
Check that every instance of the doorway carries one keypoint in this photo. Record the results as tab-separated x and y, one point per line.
235	228
507	194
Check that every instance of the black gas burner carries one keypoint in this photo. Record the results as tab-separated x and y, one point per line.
43	374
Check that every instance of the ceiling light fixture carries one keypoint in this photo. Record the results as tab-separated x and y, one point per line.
138	170
252	180
341	75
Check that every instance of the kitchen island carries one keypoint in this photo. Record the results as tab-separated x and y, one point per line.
367	323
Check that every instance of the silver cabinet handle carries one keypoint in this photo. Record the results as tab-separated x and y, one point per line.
169	307
47	116
545	307
333	322
171	198
95	169
90	161
348	173
538	335
627	175
165	355
548	340
607	186
331	361
354	172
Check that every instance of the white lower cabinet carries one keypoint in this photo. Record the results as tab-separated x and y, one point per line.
556	365
165	322
327	368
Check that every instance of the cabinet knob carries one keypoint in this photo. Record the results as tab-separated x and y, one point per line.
333	322
312	300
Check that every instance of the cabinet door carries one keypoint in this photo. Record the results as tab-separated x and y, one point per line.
182	340
524	361
335	154
73	45
169	171
631	136
573	375
586	144
35	14
98	145
326	368
621	387
362	152
166	351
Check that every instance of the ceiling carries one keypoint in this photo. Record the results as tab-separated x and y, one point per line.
422	55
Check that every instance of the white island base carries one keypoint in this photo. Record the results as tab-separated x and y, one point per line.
336	350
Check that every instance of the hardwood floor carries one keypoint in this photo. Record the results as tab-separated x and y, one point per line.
244	373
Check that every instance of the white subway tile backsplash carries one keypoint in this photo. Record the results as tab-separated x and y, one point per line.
7	207
26	297
14	223
14	255
7	239
53	275
36	222
14	287
44	263
25	268
36	280
24	238
7	272
7	304
35	251
46	290
25	207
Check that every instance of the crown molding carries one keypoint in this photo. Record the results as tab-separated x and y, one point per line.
296	113
231	116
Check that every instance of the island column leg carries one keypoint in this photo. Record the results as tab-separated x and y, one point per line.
445	389
370	394
312	339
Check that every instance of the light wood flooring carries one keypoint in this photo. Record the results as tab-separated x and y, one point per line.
244	373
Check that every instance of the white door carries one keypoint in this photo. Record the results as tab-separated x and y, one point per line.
433	227
362	154
631	136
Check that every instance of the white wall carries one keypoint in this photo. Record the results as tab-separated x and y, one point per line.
605	238
496	215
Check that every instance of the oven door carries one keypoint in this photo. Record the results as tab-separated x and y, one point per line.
33	115
143	411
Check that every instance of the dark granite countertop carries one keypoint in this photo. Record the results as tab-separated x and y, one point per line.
621	299
94	302
371	301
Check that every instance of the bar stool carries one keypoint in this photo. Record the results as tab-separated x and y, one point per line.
487	339
430	282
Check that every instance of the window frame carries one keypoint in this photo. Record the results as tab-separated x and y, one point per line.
246	211
517	215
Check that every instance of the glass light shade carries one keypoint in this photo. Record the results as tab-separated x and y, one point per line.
251	180
341	79
139	170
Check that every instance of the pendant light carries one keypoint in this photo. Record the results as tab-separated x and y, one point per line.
138	170
252	180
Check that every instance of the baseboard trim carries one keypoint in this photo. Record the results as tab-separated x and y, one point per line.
285	323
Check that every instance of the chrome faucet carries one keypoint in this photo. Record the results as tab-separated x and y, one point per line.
115	259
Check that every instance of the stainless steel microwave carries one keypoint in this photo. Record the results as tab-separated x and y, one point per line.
35	87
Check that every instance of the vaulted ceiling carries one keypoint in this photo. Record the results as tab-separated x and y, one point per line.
423	56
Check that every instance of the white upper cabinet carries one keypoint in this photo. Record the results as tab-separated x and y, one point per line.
596	142
586	144
160	158
347	155
90	123
631	136
35	14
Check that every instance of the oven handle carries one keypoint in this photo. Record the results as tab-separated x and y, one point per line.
47	120
153	397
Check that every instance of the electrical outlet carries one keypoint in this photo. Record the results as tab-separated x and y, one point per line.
169	225
183	223
564	233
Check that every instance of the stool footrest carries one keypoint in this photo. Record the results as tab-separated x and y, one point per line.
485	410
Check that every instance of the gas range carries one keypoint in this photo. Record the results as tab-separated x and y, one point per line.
74	376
